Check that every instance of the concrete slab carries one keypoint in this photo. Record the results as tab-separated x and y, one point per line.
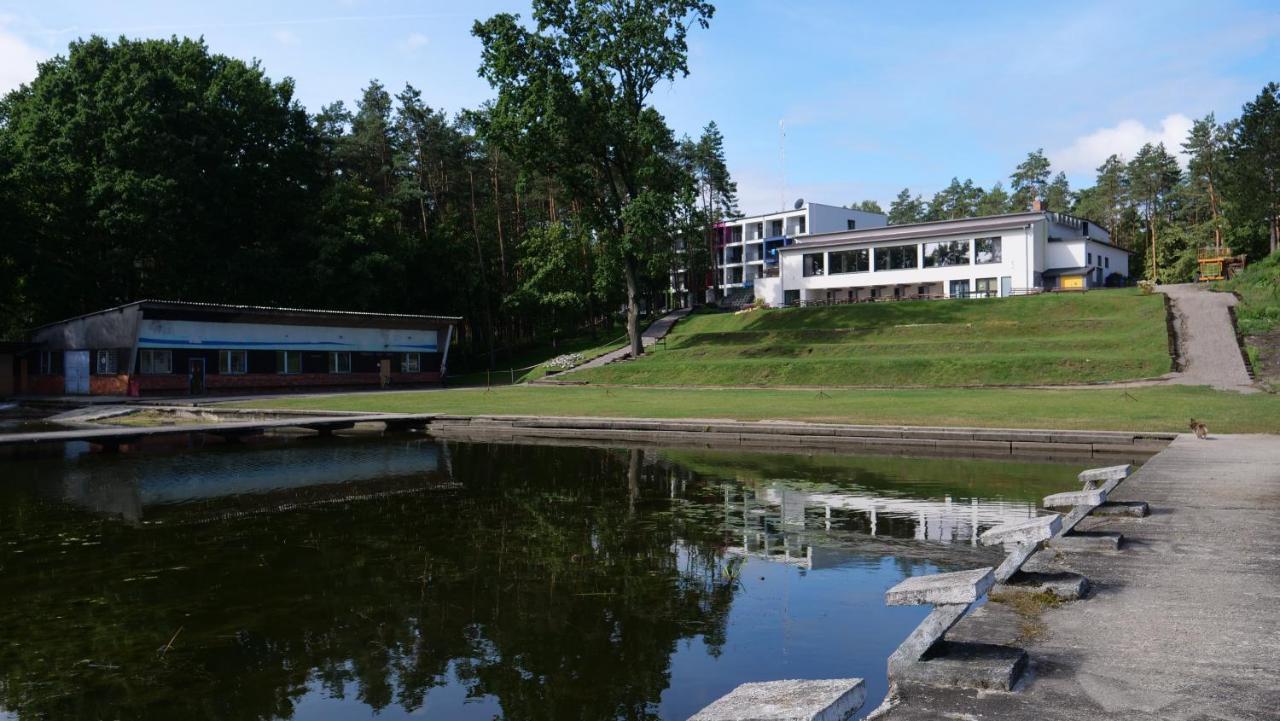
1065	585
1095	477
1074	498
959	587
825	700
1032	530
967	665
1086	542
1134	509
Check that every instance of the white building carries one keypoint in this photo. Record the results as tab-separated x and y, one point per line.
745	249
997	255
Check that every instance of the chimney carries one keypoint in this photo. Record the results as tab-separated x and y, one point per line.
1037	206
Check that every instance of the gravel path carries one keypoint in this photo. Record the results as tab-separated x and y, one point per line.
1207	339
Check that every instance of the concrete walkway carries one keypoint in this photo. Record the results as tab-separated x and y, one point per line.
651	335
1183	622
1207	339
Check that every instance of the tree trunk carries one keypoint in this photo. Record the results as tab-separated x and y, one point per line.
1155	266
633	305
484	283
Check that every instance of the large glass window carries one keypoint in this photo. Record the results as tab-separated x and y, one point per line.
959	289
987	250
340	362
897	257
849	261
813	264
288	361
233	362
775	228
412	363
950	252
155	362
986	288
106	362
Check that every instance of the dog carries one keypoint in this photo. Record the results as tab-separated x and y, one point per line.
1200	429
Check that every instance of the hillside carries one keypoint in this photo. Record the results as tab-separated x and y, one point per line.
1259	314
1048	339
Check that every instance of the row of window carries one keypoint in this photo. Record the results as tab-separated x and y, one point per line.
230	362
903	257
1103	260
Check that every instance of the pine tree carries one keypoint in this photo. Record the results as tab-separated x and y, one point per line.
994	201
1153	175
906	209
1030	180
1057	195
1204	145
1255	162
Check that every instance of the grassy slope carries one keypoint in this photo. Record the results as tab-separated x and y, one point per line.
1163	408
536	356
1259	314
1047	339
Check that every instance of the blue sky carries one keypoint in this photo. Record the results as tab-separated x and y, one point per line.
874	96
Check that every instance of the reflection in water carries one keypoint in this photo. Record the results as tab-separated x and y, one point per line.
317	580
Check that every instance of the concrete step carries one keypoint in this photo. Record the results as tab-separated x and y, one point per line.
1075	498
1086	542
968	665
1065	585
823	700
1032	530
940	589
1134	509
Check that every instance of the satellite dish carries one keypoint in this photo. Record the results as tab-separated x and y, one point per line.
799	203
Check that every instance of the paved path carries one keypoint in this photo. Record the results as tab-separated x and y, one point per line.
655	332
1184	621
1207	339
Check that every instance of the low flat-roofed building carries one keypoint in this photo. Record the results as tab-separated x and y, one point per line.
177	347
992	256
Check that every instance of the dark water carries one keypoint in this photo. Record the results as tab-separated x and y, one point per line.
401	579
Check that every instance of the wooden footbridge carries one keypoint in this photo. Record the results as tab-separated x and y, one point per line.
111	438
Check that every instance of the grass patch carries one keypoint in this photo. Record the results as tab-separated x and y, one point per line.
1258	315
1159	408
1047	339
528	362
1029	607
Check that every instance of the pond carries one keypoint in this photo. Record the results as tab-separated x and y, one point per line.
410	577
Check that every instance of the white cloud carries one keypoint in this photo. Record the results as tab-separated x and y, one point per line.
18	61
1123	139
415	41
286	37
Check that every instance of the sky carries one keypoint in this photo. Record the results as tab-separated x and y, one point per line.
834	102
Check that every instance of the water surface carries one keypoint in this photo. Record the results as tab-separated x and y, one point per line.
413	578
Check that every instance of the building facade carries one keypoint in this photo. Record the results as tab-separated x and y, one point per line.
745	249
992	256
171	347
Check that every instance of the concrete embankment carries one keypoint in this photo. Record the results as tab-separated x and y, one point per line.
764	435
1181	622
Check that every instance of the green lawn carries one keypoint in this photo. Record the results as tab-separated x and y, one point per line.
1101	335
1162	408
1258	315
528	363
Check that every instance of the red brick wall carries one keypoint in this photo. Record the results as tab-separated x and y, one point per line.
46	385
117	385
177	383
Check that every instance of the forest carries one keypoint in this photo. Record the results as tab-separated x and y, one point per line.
134	169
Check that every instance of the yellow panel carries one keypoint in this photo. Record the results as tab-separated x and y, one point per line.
1073	281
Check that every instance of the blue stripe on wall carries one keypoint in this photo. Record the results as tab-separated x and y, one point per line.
238	344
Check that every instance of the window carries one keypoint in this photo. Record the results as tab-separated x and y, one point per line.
412	363
951	252
852	224
735	234
875	292
800	225
790	297
1106	261
106	362
340	362
46	363
987	288
233	362
896	257
923	291
849	261
758	232
155	362
1088	259
288	361
775	228
986	250
959	289
813	264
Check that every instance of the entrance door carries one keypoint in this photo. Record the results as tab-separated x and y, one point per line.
195	376
384	372
1006	286
959	289
76	372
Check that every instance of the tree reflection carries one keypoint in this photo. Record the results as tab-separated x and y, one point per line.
557	581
